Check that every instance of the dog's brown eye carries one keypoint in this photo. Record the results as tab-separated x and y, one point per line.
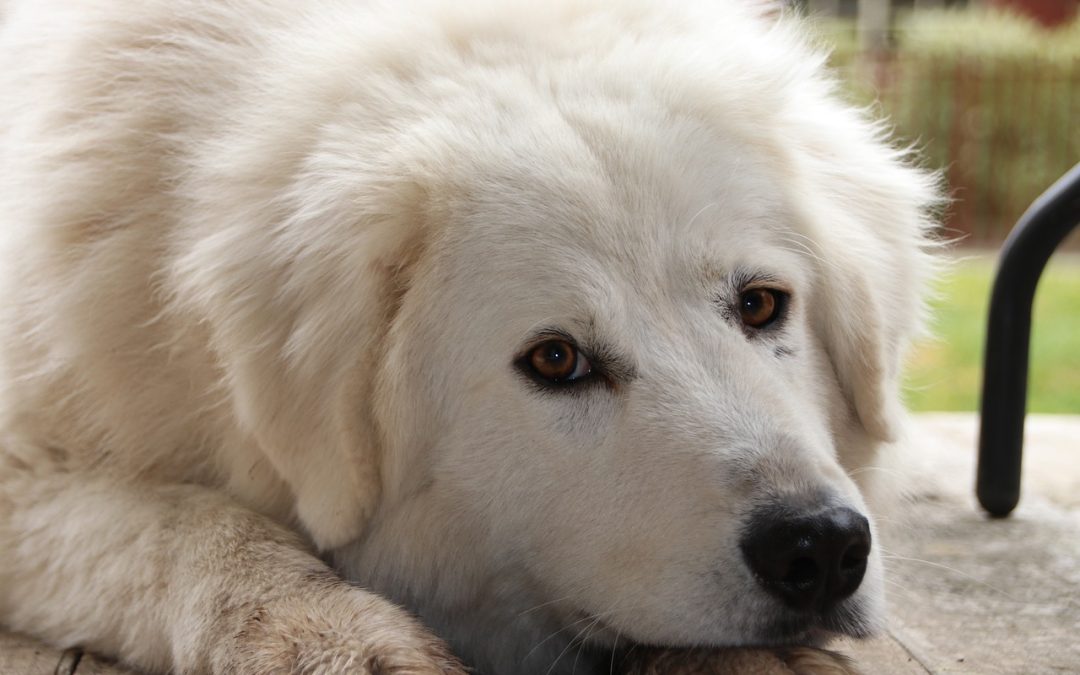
558	361
759	307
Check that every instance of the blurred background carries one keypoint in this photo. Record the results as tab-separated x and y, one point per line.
989	92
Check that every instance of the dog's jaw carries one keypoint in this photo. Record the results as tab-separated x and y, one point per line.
495	621
499	618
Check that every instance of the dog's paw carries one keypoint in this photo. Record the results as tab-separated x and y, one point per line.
780	661
346	631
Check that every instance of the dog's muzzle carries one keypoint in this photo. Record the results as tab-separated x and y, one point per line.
810	562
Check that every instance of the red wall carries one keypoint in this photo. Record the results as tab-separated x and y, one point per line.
1047	12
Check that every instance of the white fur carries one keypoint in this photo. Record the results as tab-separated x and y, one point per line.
266	266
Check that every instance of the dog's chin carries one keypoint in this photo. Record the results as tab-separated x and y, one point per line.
777	628
818	632
606	648
784	627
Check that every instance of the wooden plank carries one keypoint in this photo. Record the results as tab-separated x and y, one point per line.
881	655
20	655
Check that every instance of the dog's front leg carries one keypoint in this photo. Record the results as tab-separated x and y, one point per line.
181	578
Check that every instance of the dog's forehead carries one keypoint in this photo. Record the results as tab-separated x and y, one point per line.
634	191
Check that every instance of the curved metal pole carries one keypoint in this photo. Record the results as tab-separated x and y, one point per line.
1004	396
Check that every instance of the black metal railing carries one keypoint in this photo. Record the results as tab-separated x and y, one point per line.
1029	246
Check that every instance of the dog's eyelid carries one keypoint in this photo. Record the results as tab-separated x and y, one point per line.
743	281
607	362
539	337
767	286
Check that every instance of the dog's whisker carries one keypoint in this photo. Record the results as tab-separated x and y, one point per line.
551	635
614	650
629	653
802	247
583	635
590	617
869	468
544	604
803	251
570	644
807	246
583	640
693	218
902	588
568	626
970	577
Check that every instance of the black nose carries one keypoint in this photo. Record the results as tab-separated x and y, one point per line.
809	562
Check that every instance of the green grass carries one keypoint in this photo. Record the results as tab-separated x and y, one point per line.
946	373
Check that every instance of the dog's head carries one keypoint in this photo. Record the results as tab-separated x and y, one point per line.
642	361
644	319
636	365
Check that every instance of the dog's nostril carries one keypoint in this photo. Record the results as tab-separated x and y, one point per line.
802	573
809	562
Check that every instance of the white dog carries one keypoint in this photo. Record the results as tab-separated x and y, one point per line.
559	324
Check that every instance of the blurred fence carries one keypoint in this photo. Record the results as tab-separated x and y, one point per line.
1003	131
1002	122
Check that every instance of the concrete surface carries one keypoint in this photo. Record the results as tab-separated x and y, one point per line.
968	594
20	655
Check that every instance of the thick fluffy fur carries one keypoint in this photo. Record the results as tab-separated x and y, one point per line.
267	267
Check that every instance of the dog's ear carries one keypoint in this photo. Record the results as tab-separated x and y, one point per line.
296	290
868	216
863	345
